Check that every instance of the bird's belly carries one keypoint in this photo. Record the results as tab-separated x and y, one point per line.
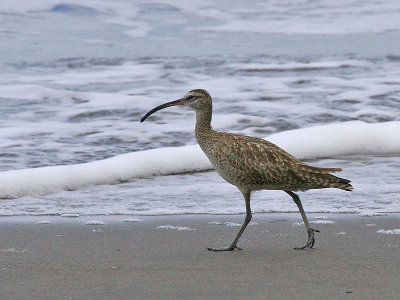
237	174
227	176
241	180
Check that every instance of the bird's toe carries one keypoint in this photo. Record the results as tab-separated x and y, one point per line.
311	240
224	249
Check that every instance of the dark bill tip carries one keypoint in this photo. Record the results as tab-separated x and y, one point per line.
165	105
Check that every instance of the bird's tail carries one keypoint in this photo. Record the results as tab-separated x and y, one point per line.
341	183
324	178
317	179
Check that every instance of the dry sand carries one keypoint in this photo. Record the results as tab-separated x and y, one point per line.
67	259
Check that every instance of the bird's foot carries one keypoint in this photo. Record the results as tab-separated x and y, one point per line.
311	239
230	248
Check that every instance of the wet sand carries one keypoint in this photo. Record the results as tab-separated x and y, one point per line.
68	259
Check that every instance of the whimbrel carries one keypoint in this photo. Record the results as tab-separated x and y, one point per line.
253	164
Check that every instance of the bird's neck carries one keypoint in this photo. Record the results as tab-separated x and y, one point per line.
203	122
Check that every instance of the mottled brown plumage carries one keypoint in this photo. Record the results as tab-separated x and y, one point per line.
254	164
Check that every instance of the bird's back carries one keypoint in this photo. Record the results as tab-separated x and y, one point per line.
254	164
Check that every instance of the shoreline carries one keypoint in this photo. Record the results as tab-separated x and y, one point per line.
266	213
66	258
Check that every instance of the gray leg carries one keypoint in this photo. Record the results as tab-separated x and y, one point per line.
247	219
310	231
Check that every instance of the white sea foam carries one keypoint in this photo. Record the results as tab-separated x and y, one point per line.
70	215
349	138
341	233
296	66
370	213
295	224
215	223
14	250
131	220
298	224
231	224
94	222
390	231
321	218
322	222
44	222
109	171
180	228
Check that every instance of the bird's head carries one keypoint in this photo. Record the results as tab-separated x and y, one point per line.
196	99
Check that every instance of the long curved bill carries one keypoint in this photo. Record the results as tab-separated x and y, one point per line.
165	105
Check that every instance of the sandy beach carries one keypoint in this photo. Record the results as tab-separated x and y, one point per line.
50	257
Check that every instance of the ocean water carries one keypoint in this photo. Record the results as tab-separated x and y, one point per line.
320	79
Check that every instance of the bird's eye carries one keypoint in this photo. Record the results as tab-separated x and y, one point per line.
190	97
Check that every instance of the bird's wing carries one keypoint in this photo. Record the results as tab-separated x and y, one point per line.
263	160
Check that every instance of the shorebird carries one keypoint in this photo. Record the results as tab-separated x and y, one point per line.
253	164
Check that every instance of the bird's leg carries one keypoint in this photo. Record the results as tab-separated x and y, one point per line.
247	219
310	231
